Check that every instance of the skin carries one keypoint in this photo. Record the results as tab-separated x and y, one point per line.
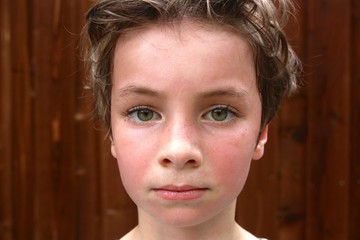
185	118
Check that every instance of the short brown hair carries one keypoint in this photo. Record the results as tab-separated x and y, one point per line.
259	21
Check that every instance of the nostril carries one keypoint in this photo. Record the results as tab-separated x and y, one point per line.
166	161
179	164
192	162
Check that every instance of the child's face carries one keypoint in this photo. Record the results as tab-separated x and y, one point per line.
185	119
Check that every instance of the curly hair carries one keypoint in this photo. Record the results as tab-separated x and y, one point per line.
260	21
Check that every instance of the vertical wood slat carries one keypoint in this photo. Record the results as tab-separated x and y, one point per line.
293	131
6	218
328	147
355	123
48	134
22	123
89	204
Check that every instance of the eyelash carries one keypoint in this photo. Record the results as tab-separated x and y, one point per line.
230	110
133	114
136	110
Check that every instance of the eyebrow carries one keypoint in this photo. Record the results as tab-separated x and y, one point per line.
129	90
140	90
226	92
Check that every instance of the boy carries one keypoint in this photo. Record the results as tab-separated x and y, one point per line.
186	90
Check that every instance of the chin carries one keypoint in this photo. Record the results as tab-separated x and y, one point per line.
183	218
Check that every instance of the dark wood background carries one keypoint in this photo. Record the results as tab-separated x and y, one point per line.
58	181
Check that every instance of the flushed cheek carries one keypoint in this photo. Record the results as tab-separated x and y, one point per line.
135	151
134	162
230	164
232	172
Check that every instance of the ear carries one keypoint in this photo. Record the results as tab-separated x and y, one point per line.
112	147
260	147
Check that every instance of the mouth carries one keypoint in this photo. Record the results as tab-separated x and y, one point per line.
180	193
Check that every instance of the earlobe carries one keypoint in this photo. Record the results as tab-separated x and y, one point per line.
260	147
112	147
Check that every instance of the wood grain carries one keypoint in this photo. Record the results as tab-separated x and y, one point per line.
59	181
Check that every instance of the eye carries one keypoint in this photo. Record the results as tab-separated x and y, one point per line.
220	114
142	114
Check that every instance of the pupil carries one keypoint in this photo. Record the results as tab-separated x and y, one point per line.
219	114
145	115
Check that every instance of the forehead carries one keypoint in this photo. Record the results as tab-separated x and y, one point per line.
165	37
196	55
182	32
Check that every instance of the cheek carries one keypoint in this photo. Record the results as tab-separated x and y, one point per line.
231	162
233	168
132	164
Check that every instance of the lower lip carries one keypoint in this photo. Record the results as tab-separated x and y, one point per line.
180	195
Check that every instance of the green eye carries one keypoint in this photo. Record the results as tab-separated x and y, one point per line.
219	114
142	114
145	115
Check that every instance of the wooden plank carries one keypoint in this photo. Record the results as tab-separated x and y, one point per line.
291	205
355	124
292	143
63	120
328	48
89	220
46	121
79	167
22	128
6	218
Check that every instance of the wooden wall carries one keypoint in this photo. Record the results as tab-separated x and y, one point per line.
58	181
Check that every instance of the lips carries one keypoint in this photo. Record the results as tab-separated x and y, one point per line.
180	193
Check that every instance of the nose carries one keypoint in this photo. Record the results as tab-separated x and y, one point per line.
180	146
